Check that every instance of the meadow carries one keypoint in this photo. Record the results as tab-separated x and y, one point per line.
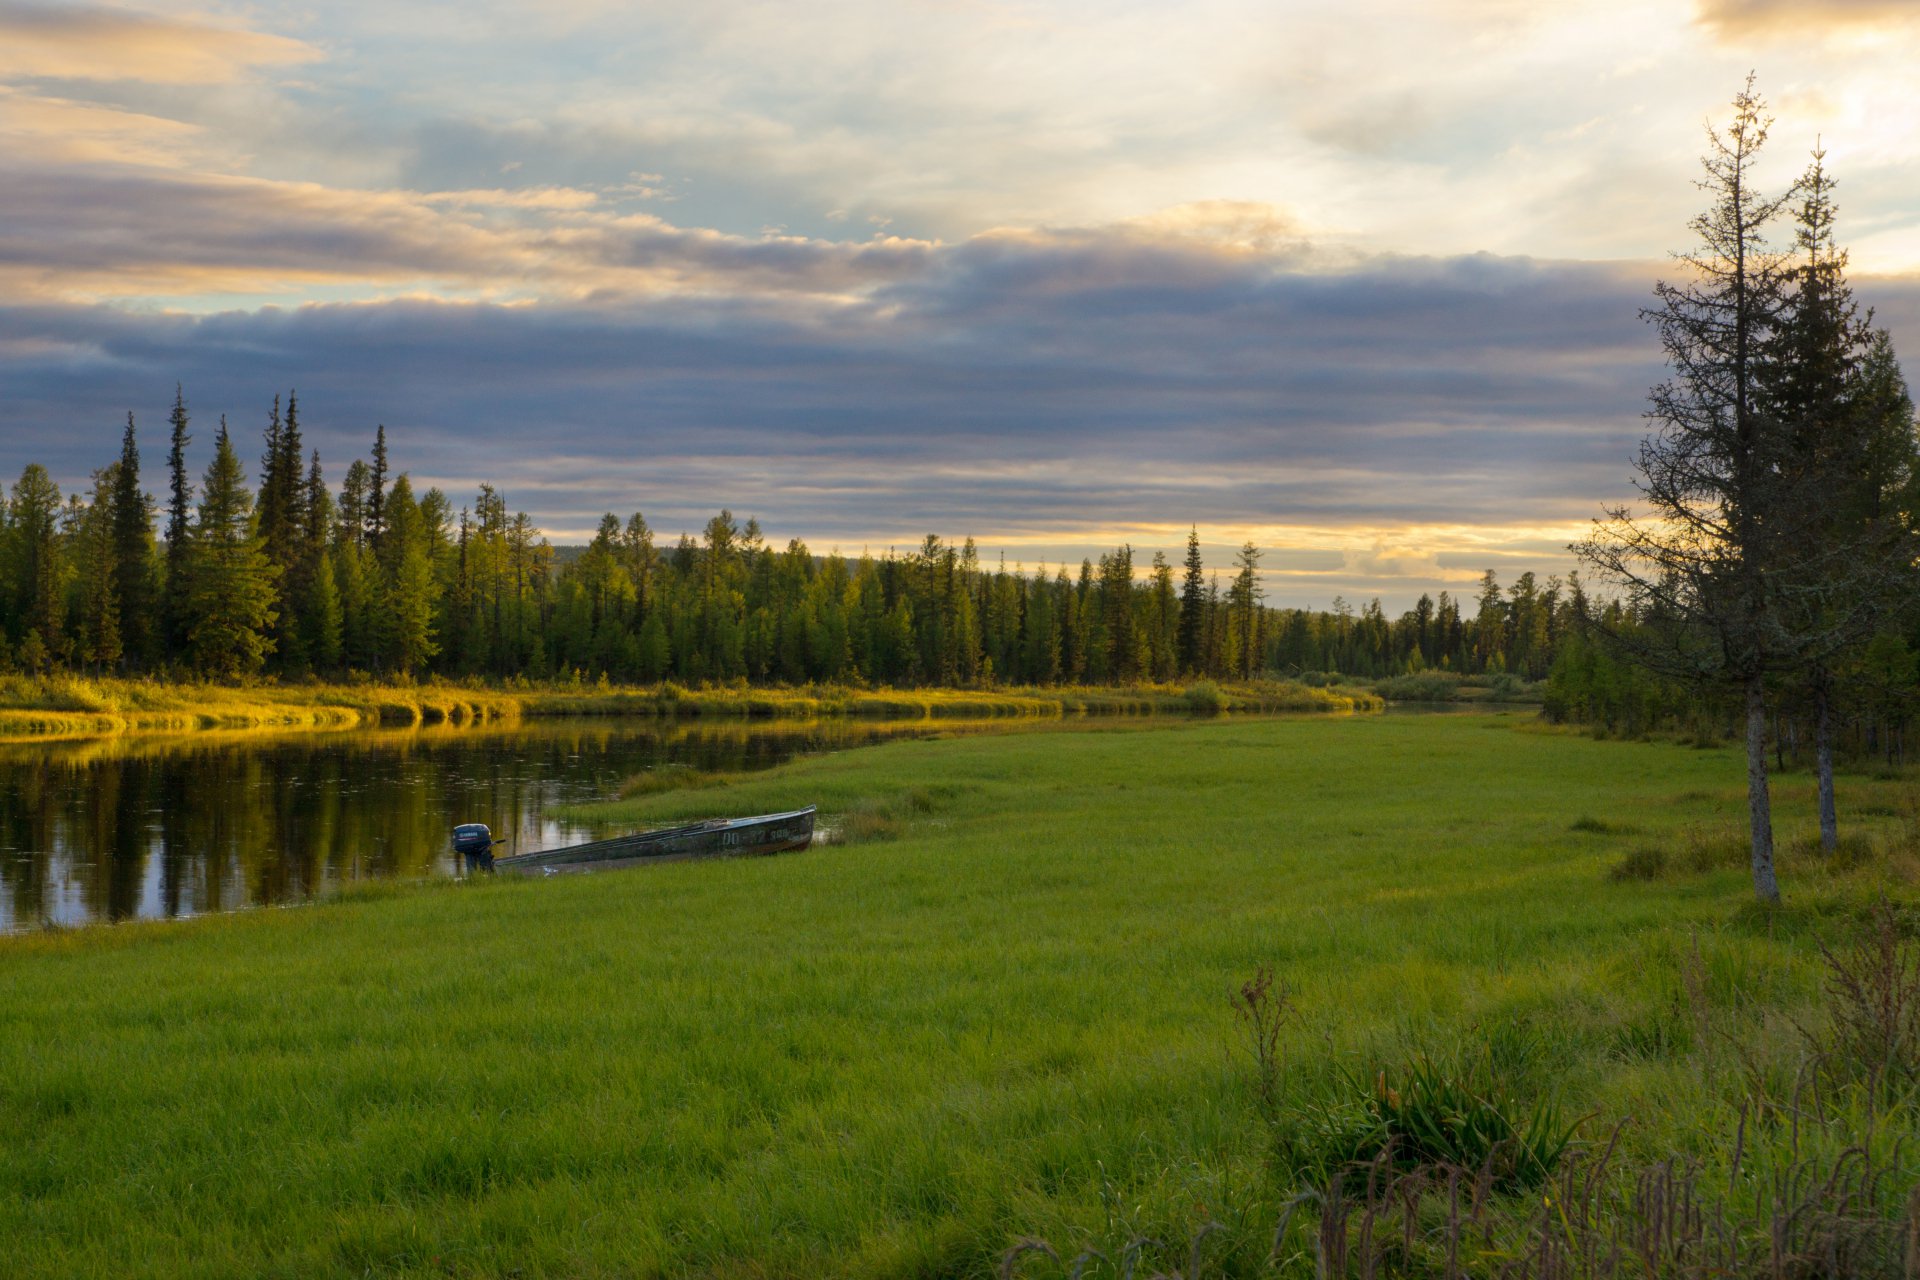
1017	999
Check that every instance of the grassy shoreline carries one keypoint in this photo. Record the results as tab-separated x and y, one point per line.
1000	1009
50	708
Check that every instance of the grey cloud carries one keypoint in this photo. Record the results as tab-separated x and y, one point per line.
1040	390
74	229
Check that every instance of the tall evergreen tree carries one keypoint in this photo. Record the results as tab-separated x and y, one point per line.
377	488
173	610
352	511
231	593
1116	590
1165	624
1245	603
1193	608
1724	528
95	557
1830	385
409	595
132	539
34	560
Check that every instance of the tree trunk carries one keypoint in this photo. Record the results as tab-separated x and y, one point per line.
1759	805
1823	755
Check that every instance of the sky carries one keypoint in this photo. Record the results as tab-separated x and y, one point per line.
1359	281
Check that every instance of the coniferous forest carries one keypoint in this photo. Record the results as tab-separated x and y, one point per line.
292	577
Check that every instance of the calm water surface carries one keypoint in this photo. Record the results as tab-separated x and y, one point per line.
142	828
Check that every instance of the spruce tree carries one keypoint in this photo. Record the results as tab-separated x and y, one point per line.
408	591
173	610
95	556
321	616
132	538
1245	598
231	580
1830	384
1163	644
377	489
270	510
1193	608
352	512
354	575
1116	590
34	559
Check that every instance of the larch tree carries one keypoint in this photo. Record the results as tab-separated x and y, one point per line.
1723	529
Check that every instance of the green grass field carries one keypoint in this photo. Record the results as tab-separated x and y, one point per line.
1001	1008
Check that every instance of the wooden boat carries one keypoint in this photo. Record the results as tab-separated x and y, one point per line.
720	838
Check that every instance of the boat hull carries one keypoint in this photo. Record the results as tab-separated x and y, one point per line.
726	838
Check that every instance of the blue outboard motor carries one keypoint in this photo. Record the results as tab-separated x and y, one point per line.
474	842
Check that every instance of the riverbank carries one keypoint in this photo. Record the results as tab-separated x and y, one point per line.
57	707
999	1008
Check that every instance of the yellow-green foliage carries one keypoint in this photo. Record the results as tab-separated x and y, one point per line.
33	708
898	704
63	706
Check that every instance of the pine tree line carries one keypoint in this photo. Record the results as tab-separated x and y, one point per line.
294	579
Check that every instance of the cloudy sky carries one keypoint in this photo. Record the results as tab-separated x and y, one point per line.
1356	279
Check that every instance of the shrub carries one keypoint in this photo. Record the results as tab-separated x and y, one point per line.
1205	697
1710	848
1644	863
1424	686
1434	1117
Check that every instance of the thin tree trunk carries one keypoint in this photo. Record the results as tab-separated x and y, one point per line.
1823	754
1759	805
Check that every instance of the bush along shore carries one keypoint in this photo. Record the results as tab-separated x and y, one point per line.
48	707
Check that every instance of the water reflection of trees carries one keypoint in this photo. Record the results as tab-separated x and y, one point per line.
117	829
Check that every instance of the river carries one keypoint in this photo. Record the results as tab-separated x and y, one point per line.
148	827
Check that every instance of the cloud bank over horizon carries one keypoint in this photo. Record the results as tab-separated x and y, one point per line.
1047	274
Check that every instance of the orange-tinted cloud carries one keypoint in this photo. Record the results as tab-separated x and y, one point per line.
85	42
97	232
1736	18
63	131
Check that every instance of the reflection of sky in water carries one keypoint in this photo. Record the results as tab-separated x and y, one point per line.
146	828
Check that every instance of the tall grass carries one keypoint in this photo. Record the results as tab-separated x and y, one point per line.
70	707
1002	1013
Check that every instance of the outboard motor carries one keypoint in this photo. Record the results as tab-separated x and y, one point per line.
474	842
